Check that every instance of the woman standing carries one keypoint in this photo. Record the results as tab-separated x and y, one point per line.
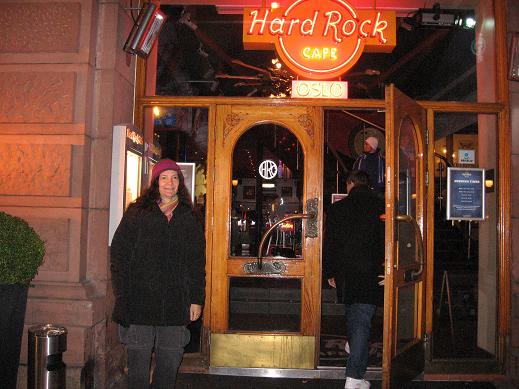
158	276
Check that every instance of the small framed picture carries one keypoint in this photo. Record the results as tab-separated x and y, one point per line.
338	196
188	171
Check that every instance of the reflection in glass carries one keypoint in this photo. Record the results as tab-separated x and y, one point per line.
265	304
200	52
133	177
407	193
465	252
267	182
406	316
180	133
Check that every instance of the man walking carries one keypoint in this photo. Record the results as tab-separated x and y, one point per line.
353	259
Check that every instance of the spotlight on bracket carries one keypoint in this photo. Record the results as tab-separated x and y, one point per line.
145	30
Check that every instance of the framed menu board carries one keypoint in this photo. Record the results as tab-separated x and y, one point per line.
465	194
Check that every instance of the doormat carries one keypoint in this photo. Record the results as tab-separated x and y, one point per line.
332	351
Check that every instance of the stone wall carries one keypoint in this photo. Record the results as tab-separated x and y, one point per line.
513	352
64	82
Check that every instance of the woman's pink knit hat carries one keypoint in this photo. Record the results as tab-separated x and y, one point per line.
163	165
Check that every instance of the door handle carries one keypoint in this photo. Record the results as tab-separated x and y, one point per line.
413	274
311	227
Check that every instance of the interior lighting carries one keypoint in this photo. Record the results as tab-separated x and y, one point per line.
268	185
274	5
489	183
156	111
470	22
278	65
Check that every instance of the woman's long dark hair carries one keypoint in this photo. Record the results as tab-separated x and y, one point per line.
151	195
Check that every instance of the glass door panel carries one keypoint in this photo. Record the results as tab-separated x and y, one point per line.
404	307
267	185
406	324
407	161
465	290
265	304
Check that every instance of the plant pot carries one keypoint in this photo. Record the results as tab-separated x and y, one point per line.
13	301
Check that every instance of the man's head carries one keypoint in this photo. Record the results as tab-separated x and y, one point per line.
356	178
370	144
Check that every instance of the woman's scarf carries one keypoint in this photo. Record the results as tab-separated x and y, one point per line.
167	207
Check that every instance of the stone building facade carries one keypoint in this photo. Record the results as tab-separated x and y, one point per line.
64	82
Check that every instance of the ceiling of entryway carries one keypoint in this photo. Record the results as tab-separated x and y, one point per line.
428	63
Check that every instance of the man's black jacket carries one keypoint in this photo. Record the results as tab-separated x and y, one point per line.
354	247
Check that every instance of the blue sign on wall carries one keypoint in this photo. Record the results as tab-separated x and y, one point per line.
465	194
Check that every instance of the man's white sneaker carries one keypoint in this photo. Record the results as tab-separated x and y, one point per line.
352	383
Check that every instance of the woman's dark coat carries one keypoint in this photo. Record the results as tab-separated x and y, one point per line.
353	251
158	267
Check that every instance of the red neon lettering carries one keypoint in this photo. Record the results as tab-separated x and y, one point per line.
320	39
263	22
311	22
363	33
332	24
279	22
352	28
380	26
292	22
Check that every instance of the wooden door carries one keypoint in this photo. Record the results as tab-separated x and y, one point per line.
250	341
404	293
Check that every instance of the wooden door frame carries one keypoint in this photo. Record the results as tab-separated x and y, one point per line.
501	109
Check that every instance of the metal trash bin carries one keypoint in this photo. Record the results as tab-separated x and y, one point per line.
46	369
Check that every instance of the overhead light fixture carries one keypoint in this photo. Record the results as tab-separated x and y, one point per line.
268	185
145	30
440	17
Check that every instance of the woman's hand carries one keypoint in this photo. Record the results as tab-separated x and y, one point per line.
195	311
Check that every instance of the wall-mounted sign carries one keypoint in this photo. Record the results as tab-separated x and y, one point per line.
315	89
268	169
465	194
134	137
319	39
467	157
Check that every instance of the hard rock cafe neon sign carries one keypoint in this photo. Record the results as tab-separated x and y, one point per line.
319	39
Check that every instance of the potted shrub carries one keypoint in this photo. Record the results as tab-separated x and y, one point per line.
21	253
